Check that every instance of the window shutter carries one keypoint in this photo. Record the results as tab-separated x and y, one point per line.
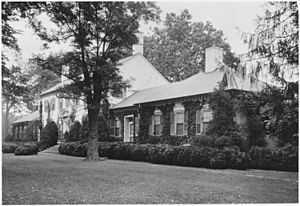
151	125
172	124
185	129
161	126
137	125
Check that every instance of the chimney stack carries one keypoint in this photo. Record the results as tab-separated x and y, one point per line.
64	71
213	58
138	48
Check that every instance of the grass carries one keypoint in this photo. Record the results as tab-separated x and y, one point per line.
49	178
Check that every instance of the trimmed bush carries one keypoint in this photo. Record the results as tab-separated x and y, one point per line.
218	161
284	158
27	149
9	147
49	136
229	157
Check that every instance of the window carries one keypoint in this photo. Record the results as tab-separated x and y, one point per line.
203	119
52	104
46	106
67	103
115	127
155	123
112	127
118	128
60	103
179	121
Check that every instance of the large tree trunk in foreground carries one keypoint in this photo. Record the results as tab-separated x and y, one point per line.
92	150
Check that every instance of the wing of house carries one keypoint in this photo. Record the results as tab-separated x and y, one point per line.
168	107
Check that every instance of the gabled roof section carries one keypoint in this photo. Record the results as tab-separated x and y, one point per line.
31	117
201	83
124	69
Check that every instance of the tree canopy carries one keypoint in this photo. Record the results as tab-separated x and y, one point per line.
274	45
177	49
101	34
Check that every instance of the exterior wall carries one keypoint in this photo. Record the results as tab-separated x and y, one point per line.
62	116
146	111
141	74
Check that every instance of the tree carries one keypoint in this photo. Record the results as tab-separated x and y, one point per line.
274	49
178	49
14	89
274	45
101	33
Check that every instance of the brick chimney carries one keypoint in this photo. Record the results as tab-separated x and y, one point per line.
213	58
138	48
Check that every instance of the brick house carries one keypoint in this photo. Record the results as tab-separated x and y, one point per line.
177	111
135	69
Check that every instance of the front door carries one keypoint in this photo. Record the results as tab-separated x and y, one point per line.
128	128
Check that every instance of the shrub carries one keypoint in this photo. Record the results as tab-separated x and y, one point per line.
284	158
163	154
27	149
218	161
74	133
49	136
9	147
203	140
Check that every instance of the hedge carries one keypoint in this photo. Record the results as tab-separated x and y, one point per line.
9	147
27	149
207	157
284	158
20	148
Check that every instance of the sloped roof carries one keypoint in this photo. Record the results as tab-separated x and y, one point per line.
201	83
122	68
31	117
52	89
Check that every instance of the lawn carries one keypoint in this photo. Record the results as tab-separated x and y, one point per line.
49	178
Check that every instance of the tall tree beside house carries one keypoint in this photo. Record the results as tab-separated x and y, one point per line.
14	88
100	32
274	47
177	49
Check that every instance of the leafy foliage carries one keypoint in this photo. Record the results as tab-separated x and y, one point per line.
49	136
274	45
280	112
101	33
178	49
223	113
27	149
164	154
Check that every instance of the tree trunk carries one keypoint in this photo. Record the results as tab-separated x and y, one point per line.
92	150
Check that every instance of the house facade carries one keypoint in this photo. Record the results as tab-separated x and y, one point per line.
136	69
175	112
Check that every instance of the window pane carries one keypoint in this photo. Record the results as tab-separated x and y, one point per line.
117	132
198	128
180	117
157	119
131	129
112	131
179	129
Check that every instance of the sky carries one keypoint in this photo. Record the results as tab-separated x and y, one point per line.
224	15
